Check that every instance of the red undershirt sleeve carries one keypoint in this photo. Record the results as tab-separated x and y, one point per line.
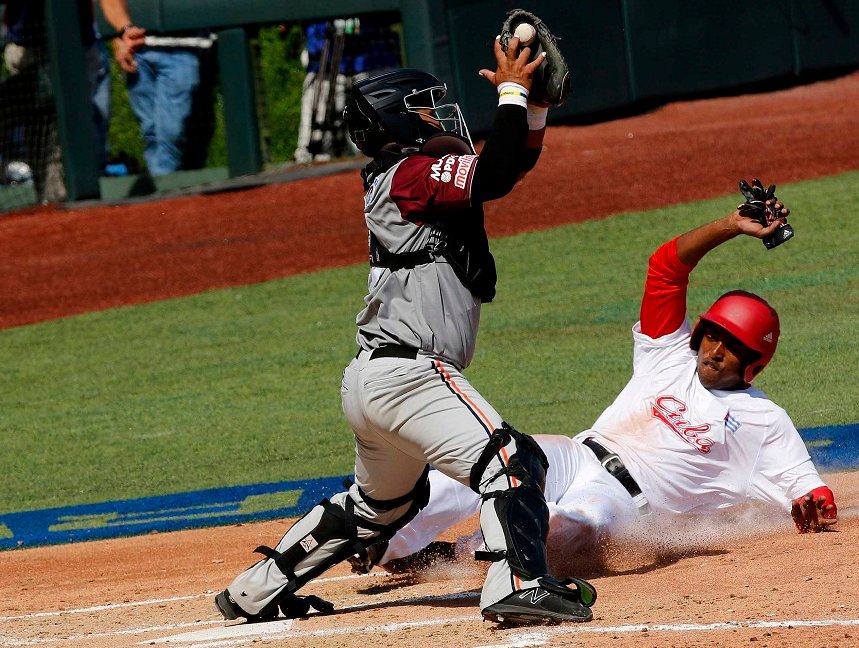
663	307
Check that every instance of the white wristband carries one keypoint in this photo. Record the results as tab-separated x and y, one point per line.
512	93
537	116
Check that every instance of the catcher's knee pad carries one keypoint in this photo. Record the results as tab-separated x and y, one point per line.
521	506
417	499
526	465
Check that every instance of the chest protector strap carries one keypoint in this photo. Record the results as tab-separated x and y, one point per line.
465	247
479	278
380	257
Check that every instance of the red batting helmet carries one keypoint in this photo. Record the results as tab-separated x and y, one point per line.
748	318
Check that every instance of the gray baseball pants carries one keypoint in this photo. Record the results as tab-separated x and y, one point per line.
405	413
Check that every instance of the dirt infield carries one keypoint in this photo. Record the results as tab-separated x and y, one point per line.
765	587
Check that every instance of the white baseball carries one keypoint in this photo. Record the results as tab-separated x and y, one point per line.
526	33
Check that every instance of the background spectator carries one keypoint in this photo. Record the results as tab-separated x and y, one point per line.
163	78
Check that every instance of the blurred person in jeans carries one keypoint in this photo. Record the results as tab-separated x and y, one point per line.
163	77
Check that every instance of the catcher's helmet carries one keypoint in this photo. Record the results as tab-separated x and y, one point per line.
748	318
400	106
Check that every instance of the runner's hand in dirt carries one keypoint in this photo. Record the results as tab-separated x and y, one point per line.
815	511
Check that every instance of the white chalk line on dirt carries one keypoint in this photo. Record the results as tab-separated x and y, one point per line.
533	638
101	608
242	633
104	635
235	635
130	604
539	638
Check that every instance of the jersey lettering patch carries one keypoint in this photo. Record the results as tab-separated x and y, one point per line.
670	410
442	171
453	167
463	169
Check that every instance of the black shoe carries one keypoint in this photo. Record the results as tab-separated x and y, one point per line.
295	607
536	605
230	610
435	553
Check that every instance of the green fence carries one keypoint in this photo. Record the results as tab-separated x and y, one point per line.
621	52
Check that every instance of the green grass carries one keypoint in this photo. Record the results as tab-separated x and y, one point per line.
241	386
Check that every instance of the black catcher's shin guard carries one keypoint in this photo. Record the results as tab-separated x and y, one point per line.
521	508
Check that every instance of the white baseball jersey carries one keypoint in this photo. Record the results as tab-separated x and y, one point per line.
694	449
690	449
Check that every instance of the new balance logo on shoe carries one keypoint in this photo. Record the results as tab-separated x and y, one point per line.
534	595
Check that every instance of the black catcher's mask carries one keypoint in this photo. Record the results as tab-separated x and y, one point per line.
401	106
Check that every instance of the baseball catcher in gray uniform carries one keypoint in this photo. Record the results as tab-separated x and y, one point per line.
404	394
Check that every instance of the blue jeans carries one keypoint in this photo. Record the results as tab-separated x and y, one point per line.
161	94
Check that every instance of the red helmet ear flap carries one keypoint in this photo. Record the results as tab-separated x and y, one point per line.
750	319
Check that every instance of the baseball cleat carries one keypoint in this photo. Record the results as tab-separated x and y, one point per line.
536	605
230	610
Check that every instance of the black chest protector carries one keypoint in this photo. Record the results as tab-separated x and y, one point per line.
459	239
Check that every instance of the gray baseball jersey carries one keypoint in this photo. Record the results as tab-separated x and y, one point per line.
426	307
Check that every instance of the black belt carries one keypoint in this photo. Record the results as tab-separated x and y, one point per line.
393	351
615	467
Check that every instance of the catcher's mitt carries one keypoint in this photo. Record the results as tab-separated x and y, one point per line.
756	207
552	80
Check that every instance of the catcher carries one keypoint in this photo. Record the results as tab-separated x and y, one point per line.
404	393
687	435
